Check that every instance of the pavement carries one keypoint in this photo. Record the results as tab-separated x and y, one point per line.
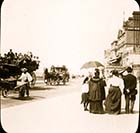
65	114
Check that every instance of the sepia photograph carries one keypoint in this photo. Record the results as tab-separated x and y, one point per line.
70	66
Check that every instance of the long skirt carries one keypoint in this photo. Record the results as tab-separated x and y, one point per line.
96	107
113	101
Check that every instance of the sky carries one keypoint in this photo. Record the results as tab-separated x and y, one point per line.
63	32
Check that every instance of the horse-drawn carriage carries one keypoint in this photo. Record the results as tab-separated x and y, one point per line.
56	75
11	71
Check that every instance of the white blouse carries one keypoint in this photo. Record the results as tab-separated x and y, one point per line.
115	81
25	76
85	88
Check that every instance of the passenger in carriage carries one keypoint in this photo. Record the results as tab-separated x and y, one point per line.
10	56
5	58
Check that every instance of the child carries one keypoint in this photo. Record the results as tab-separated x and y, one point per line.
84	96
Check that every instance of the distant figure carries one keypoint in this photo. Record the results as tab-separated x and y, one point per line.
10	56
46	76
113	100
26	78
84	96
96	93
130	91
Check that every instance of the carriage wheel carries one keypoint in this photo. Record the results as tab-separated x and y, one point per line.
34	79
58	82
4	92
64	82
54	82
67	79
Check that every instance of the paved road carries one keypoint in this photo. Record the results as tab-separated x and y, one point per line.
40	91
61	112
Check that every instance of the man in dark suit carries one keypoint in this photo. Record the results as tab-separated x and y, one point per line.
130	83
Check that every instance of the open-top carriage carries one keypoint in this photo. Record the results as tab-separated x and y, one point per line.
9	74
11	84
56	75
10	71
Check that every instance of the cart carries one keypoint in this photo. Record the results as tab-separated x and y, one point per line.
56	76
9	85
9	74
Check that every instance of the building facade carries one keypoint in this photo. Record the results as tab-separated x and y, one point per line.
125	50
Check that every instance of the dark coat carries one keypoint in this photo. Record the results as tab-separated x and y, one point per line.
130	83
96	89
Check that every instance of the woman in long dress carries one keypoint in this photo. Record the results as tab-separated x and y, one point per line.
113	100
96	94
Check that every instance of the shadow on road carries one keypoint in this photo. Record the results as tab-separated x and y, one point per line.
36	88
27	98
134	112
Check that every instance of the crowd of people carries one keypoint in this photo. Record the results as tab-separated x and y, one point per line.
94	89
20	60
15	58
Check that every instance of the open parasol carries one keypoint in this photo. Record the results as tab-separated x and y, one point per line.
92	64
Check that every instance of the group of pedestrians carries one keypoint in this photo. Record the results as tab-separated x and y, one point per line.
94	89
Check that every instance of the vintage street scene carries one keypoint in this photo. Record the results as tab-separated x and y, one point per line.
70	66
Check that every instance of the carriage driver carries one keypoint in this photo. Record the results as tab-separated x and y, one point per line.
26	78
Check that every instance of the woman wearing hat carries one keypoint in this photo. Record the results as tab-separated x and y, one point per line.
113	100
96	93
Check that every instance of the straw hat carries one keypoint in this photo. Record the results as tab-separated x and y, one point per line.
24	69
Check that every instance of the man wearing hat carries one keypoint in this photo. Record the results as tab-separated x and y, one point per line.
26	78
130	83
